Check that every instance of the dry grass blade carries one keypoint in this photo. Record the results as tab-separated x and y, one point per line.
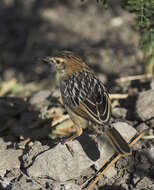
118	96
135	77
60	120
149	137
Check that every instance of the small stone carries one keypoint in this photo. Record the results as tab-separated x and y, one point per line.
3	144
152	84
65	186
141	127
71	186
119	112
144	183
117	21
39	97
9	159
145	105
25	184
111	172
150	152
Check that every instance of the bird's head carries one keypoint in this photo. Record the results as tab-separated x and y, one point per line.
66	63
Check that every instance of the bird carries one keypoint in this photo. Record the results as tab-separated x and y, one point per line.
85	98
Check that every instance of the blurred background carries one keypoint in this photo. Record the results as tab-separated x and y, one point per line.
104	38
32	118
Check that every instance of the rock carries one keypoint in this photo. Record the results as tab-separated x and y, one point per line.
111	172
3	144
71	186
144	183
126	130
152	84
59	164
35	150
145	105
40	97
6	181
141	127
119	112
9	159
28	184
150	153
66	186
139	145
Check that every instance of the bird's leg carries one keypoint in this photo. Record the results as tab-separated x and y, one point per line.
66	140
77	133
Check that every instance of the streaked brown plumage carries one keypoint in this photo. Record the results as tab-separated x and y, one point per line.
85	98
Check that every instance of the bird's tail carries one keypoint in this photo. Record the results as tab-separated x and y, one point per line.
117	141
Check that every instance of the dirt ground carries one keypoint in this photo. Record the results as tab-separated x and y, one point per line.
108	41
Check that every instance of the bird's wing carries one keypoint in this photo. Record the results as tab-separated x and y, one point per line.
98	112
87	97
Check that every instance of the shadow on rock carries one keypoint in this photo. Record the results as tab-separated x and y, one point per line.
89	146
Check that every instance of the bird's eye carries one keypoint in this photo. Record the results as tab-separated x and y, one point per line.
57	61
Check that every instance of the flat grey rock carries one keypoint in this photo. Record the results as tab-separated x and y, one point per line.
59	164
145	105
9	159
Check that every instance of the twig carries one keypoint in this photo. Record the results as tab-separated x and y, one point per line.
115	159
141	135
118	96
102	173
135	77
60	120
148	137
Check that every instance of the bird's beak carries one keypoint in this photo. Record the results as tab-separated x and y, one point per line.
47	60
50	61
